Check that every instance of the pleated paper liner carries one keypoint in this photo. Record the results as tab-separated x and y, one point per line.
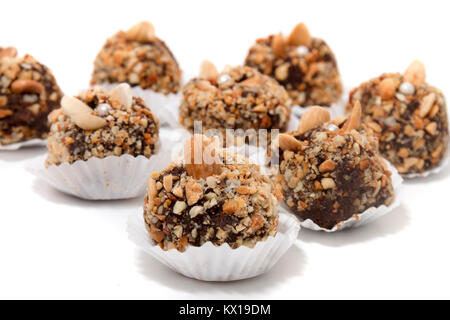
211	263
110	178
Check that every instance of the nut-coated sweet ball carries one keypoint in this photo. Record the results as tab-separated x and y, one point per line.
28	93
226	201
409	117
238	98
331	170
100	123
139	58
304	65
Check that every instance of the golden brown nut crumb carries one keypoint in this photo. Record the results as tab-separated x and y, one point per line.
138	58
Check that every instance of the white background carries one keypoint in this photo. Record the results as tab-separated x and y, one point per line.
56	246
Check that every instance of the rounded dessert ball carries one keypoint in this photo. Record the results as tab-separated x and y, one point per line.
99	124
28	93
331	171
224	201
138	58
304	65
409	117
238	98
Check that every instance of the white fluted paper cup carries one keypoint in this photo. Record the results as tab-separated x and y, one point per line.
110	178
24	144
367	216
211	263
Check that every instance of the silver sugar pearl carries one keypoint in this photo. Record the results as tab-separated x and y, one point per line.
224	78
302	50
103	109
333	128
407	88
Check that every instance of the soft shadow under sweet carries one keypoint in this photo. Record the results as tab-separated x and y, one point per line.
50	194
392	223
291	265
22	154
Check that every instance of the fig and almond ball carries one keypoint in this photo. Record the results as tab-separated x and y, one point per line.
331	171
409	117
238	98
225	201
139	58
28	93
304	65
99	124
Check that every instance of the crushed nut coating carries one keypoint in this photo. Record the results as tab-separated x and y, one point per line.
236	206
409	120
131	129
241	98
28	93
331	175
138	60
309	72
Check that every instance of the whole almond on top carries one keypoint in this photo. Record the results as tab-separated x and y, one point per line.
208	71
426	104
250	82
142	32
205	85
387	89
288	143
278	45
300	36
122	93
81	114
71	105
312	118
201	157
88	122
415	73
27	86
354	120
8	52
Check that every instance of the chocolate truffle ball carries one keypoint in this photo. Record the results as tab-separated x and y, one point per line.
304	65
28	93
331	170
99	124
138	58
409	116
238	98
223	201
